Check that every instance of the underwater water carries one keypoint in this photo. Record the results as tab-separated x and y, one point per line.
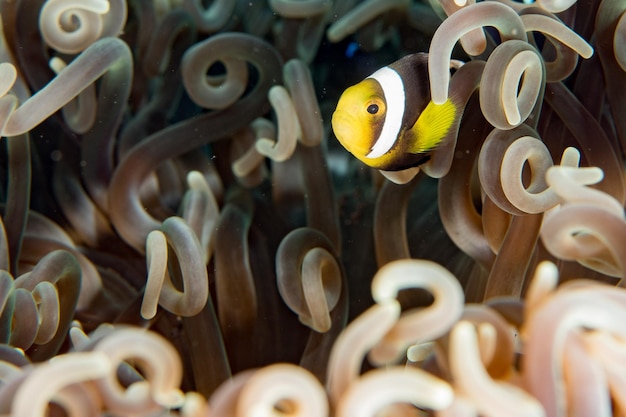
192	225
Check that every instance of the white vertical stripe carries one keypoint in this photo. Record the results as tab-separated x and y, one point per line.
393	89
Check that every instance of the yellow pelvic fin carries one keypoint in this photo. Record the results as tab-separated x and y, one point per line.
433	125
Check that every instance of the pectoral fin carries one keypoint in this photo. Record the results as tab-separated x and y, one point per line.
433	125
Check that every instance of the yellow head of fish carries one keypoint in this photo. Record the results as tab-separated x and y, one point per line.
388	121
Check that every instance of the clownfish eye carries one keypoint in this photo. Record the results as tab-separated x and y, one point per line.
372	108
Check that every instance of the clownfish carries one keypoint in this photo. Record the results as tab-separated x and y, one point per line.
388	120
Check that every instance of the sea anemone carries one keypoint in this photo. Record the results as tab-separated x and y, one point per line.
182	235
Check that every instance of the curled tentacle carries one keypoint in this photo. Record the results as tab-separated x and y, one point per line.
464	21
159	363
383	387
421	325
512	84
97	60
309	277
177	235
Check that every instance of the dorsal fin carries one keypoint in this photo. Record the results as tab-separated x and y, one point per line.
414	71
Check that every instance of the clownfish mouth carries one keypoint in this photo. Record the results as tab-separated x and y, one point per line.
349	133
342	124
